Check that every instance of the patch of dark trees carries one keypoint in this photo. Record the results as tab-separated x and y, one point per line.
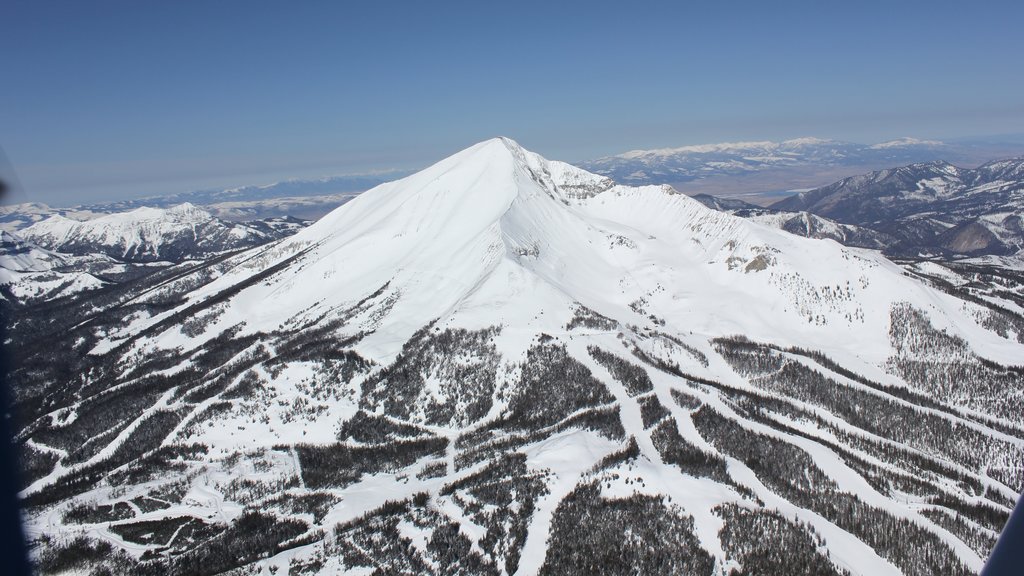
588	318
252	536
961	377
98	513
651	410
694	461
633	377
765	542
641	534
368	428
339	465
553	385
874	411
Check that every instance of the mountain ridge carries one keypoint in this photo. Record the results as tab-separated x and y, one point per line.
929	207
146	234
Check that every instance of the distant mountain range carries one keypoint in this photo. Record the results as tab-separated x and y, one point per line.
933	208
689	163
153	234
59	256
331	186
307	199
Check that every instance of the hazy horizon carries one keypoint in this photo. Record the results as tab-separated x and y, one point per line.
117	191
116	100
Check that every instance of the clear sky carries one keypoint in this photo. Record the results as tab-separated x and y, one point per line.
105	99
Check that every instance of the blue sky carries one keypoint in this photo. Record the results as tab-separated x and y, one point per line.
106	99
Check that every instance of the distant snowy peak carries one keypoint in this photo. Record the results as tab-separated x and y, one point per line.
686	163
184	213
905	142
729	147
146	234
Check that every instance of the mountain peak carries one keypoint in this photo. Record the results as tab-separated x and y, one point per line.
496	144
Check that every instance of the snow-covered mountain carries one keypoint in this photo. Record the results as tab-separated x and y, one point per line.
30	272
149	234
22	256
930	208
507	365
97	250
31	275
687	163
16	217
302	199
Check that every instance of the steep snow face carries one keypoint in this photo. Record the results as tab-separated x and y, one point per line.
144	234
507	365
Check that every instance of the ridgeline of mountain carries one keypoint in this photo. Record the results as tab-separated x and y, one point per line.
60	257
930	208
507	365
183	232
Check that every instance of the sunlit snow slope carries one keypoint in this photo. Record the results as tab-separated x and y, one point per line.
507	365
